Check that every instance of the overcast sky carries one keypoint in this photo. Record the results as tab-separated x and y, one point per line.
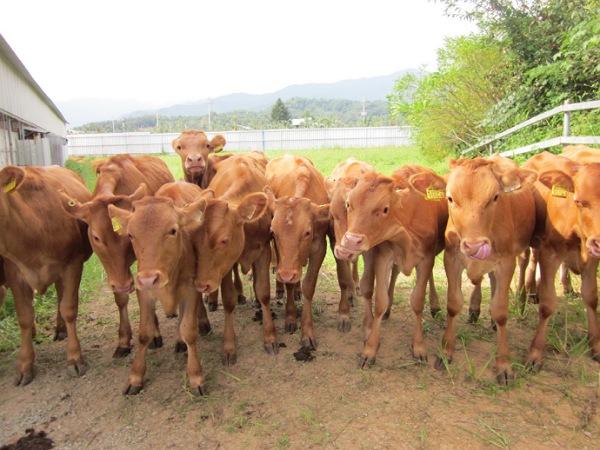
171	51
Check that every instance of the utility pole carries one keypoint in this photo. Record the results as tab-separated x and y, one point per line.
209	114
363	113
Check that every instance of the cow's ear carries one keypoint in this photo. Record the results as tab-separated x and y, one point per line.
119	218
217	143
97	165
176	146
252	207
429	185
513	180
270	197
126	201
206	194
191	216
320	212
11	178
557	180
74	208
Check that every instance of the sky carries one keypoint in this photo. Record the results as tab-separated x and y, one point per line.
173	51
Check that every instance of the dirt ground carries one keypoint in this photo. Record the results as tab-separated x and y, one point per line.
277	402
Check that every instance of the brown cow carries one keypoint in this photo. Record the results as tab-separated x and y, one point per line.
401	226
41	245
492	221
570	200
118	178
233	228
193	147
166	267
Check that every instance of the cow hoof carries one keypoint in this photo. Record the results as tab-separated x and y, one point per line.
23	379
180	347
419	357
213	307
229	359
156	342
364	362
308	342
199	391
493	325
204	328
473	316
505	378
60	335
121	352
290	327
172	315
441	363
435	312
272	348
241	299
344	325
298	295
351	299
386	314
77	368
133	390
278	295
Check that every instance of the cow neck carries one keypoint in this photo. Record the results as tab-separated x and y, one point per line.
408	249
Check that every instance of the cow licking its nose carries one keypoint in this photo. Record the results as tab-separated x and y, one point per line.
288	276
593	245
353	241
476	248
148	279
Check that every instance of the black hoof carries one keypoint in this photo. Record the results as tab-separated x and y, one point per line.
133	390
440	363
23	379
200	391
344	325
60	335
421	359
533	366
156	342
351	299
435	312
77	369
180	347
213	306
474	316
505	378
204	328
291	327
364	362
229	359
386	314
121	352
493	325
241	299
272	349
309	343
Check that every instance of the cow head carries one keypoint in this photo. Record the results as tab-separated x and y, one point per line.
295	220
193	147
475	189
156	228
580	181
219	241
337	208
113	249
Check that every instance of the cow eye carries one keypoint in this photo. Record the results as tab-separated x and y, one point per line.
179	147
224	241
450	200
307	233
96	238
130	235
496	197
580	203
386	210
347	205
173	231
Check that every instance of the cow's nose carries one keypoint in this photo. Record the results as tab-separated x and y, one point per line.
193	158
476	248
122	288
288	276
593	244
352	241
148	279
204	288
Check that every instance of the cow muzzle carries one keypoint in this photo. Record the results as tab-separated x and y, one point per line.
195	163
354	242
593	245
126	288
476	248
206	287
149	279
288	275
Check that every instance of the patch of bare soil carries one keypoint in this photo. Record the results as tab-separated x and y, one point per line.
278	402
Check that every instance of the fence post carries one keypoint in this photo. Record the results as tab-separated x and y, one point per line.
491	147
567	121
262	136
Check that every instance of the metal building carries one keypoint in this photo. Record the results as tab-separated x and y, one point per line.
32	129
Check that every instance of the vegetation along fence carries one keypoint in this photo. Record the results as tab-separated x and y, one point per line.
565	139
281	139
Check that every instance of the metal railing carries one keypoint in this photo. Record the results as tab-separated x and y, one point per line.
565	139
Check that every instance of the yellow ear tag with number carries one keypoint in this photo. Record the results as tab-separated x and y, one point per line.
10	186
116	224
71	203
559	191
435	195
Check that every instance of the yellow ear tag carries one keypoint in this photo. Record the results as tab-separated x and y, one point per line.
559	191
71	203
435	195
10	186
116	224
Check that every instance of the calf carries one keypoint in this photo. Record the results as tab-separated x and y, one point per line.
569	194
401	224
193	147
118	181
163	247
492	220
41	245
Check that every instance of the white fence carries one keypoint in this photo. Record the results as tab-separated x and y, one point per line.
281	139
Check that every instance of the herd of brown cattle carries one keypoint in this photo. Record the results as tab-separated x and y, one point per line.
242	212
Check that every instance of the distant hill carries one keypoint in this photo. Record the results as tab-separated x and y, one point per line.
80	111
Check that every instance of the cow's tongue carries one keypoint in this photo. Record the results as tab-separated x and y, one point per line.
483	252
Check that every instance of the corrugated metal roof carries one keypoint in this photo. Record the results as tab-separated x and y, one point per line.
20	67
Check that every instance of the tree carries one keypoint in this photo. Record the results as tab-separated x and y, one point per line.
280	113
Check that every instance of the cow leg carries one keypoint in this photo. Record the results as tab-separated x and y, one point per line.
523	261
213	300
475	302
262	290
454	269
530	275
565	280
549	264
367	285
417	301
188	330
145	335
391	287
60	332
23	296
67	289
589	292
157	340
499	313
291	313
383	262
239	287
180	345
203	323
309	283
279	290
125	335
346	288
227	296
355	277
434	301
